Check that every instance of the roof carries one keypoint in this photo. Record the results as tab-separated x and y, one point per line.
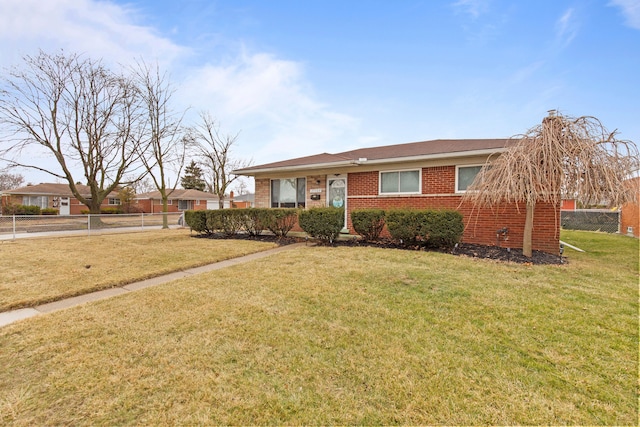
50	189
249	197
423	150
180	194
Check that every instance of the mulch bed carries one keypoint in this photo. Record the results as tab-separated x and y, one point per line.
462	249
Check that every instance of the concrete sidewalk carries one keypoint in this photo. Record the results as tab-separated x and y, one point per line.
9	317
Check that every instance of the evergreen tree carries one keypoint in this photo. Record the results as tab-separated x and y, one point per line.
192	178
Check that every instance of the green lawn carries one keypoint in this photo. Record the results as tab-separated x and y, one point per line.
344	336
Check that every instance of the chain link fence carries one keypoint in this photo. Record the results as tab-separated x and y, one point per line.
12	226
591	220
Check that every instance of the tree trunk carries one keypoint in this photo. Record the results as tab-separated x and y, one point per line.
165	209
528	230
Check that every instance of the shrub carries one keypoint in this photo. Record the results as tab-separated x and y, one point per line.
441	229
197	221
49	211
231	220
21	210
280	220
214	220
322	223
368	223
254	220
110	211
403	225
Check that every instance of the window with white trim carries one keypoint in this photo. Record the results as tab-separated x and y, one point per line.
114	201
41	201
400	182
288	193
465	176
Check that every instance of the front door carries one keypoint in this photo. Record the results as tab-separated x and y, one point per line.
337	194
65	208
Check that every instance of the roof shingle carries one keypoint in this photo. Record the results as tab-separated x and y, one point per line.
436	147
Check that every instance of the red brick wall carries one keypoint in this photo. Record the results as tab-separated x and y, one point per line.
480	224
439	180
629	215
438	192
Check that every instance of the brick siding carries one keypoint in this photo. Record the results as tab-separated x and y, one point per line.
438	192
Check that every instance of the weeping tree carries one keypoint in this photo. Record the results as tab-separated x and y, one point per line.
562	157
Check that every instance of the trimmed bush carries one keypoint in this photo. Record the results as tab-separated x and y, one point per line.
322	223
21	210
110	211
231	221
368	223
49	211
197	221
281	220
254	220
441	229
403	225
435	228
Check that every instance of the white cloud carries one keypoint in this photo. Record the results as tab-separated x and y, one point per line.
630	10
268	101
264	97
99	29
474	8
566	28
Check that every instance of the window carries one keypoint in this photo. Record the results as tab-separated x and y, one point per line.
465	176
114	201
185	205
41	201
400	182
288	193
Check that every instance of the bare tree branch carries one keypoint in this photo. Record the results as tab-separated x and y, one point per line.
165	150
215	151
78	112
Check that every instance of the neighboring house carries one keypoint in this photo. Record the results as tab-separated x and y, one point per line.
429	174
179	200
629	213
568	205
242	201
56	196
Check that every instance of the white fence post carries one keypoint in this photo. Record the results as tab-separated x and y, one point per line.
14	226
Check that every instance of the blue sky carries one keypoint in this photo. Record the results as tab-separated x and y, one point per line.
302	77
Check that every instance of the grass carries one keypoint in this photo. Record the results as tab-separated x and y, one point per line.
36	271
344	336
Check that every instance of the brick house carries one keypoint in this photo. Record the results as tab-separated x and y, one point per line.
178	200
428	174
629	213
56	196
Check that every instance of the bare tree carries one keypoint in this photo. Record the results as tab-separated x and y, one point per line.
241	187
165	152
80	113
563	156
9	181
139	185
215	151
